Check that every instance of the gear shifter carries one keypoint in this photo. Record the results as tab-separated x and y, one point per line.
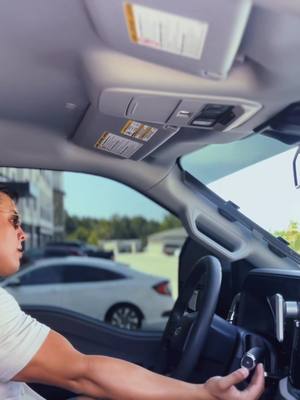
282	310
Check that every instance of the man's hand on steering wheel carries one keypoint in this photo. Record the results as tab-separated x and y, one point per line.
223	388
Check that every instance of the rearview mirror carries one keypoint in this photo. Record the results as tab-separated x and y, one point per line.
296	168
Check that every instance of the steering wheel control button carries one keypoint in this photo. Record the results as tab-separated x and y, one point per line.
248	361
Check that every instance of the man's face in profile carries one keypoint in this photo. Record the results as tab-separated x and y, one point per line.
11	236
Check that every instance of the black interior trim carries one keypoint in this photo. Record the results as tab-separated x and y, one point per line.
235	214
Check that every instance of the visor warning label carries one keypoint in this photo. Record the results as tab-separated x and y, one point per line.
117	145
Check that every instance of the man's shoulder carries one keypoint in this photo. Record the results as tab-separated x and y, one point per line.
8	304
5	295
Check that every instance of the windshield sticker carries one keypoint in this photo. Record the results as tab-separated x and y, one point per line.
138	130
164	31
117	145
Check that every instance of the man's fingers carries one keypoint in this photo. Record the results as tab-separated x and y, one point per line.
256	386
234	378
259	374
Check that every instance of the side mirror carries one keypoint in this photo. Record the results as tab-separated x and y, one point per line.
14	282
296	168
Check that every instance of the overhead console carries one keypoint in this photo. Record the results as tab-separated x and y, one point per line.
140	103
146	78
205	112
132	124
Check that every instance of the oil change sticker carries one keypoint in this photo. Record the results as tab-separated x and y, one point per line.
137	130
165	31
117	145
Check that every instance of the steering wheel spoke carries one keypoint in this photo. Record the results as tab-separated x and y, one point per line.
185	333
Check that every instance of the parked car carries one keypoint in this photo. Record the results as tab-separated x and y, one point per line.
170	248
94	251
83	249
166	98
34	254
105	290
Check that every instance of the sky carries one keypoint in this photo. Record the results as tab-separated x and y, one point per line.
264	191
93	196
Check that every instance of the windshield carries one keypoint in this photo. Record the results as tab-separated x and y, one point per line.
264	190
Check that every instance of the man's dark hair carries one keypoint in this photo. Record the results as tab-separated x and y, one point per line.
4	188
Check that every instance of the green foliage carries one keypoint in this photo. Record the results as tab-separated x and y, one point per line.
170	222
91	230
291	235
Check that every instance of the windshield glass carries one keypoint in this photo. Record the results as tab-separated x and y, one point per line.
264	190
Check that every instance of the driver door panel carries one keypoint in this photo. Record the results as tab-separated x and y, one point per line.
91	336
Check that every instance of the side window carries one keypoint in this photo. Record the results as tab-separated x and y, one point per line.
103	219
85	273
43	276
130	230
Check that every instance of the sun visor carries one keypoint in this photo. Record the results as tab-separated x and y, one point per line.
198	37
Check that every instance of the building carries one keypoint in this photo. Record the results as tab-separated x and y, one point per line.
58	206
122	245
41	202
167	241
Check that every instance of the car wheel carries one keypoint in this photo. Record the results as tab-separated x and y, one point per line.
125	316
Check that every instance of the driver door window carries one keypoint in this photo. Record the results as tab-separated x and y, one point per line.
138	242
42	286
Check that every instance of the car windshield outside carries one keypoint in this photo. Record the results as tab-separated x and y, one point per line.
262	188
95	247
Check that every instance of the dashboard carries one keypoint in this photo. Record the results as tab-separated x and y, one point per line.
268	299
256	312
269	306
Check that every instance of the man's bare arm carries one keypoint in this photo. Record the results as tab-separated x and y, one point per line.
58	363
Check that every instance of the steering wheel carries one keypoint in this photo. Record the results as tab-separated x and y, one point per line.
184	337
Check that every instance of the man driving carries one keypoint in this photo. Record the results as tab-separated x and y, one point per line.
32	352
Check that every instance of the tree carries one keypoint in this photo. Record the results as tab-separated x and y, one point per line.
91	230
81	233
93	237
170	222
291	235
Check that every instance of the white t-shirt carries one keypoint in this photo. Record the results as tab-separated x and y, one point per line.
21	336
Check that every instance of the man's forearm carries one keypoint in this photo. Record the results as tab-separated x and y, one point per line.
58	363
120	380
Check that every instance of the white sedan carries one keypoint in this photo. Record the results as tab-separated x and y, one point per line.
103	289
